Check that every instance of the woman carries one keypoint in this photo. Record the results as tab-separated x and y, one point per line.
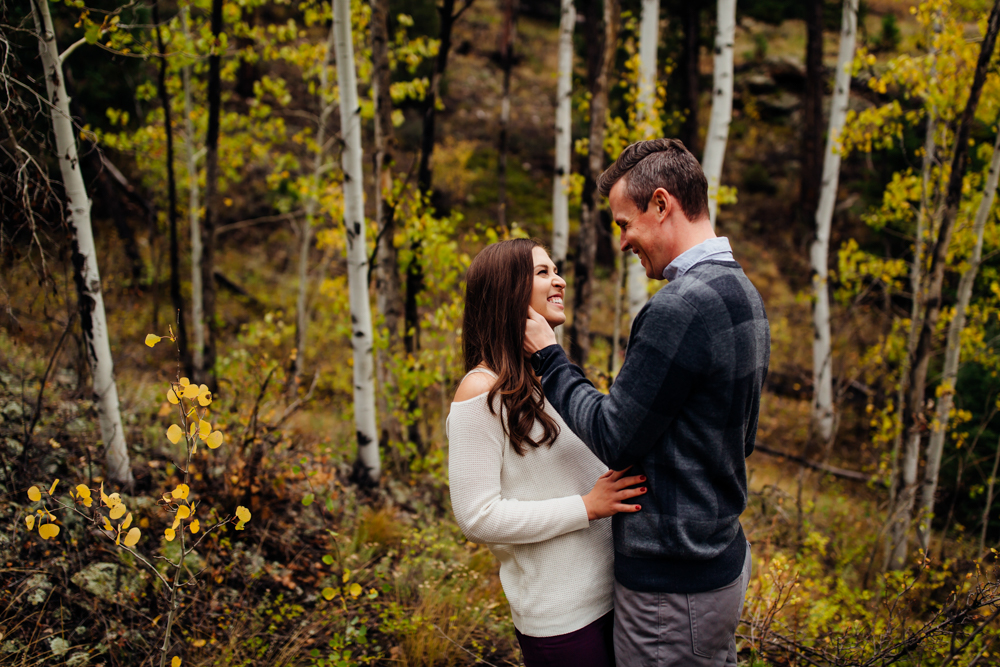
521	481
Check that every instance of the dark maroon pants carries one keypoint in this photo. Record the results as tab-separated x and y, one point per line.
590	646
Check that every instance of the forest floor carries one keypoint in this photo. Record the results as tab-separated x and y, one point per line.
424	595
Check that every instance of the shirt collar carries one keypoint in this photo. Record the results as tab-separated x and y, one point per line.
717	248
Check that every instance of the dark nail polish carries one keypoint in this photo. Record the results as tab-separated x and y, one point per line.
642	490
642	478
638	507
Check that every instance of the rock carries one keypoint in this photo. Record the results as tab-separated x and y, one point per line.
759	82
780	103
38	587
109	581
59	646
13	410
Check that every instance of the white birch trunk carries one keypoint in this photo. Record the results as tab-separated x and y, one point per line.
952	355
722	102
368	465
822	407
564	141
312	203
197	308
649	37
990	487
93	321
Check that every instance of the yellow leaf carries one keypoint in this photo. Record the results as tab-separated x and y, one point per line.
52	489
34	494
190	391
181	492
183	512
152	339
82	491
48	530
87	502
118	511
107	524
184	382
204	428
30	520
243	514
214	440
177	522
195	527
133	537
174	433
204	396
347	576
355	590
328	593
175	661
172	397
169	534
127	522
104	496
193	429
198	643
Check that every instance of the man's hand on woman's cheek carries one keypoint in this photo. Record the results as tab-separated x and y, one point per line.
538	335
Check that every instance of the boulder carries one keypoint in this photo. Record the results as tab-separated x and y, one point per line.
110	581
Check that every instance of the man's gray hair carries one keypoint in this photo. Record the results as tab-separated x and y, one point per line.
659	163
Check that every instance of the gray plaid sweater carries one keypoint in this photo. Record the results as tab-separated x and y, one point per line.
682	411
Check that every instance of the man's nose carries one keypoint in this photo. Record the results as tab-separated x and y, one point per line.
623	245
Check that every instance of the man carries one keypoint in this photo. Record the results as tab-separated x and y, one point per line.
682	411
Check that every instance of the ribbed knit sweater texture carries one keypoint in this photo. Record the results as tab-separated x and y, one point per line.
682	411
556	566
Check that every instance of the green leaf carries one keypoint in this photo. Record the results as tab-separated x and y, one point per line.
308	499
92	34
328	559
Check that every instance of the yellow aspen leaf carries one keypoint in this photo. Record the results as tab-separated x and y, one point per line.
190	391
243	514
52	489
181	492
127	522
118	511
183	512
172	397
204	396
34	494
193	429
104	496
184	382
174	433
214	440
328	593
30	520
175	661
177	522
144	522
169	534
107	524
118	538
133	537
195	527
198	643
152	339
347	576
82	491
355	590
48	530
204	428
52	517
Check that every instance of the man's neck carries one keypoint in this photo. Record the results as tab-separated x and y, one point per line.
692	234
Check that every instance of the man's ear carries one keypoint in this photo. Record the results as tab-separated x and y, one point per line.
661	202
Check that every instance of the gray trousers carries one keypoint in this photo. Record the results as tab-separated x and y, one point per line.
666	629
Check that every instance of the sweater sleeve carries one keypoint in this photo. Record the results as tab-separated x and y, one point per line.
669	348
475	459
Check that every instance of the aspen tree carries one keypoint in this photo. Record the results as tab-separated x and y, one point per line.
913	415
312	203
952	354
564	141
197	305
822	404
93	320
367	467
649	36
508	35
722	102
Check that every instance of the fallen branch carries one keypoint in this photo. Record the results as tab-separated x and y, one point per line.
843	473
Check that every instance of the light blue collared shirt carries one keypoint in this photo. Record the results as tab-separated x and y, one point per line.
717	249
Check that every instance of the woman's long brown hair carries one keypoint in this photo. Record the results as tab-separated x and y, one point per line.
497	293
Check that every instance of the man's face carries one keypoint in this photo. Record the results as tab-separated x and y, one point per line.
642	232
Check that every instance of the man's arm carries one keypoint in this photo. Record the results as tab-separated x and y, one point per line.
668	349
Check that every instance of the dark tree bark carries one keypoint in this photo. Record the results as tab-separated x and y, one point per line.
812	117
207	371
505	49
602	33
689	75
175	271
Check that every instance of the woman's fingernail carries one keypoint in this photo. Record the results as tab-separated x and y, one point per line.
642	478
642	490
638	507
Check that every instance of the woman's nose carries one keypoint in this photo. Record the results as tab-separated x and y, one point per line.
558	281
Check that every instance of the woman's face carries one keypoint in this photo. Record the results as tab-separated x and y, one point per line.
547	289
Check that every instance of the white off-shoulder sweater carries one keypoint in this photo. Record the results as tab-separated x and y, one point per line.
556	566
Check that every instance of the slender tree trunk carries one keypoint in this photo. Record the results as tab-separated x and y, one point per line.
175	268
822	407
952	355
564	142
312	204
505	48
812	111
197	293
690	75
722	102
991	486
212	208
649	38
387	288
914	415
93	321
367	467
603	27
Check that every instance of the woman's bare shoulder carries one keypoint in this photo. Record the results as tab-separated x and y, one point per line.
474	384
